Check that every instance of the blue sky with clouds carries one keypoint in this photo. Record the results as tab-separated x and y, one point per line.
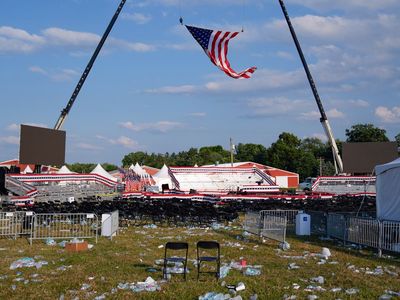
153	89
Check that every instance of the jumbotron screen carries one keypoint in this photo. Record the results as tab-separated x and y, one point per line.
41	146
361	158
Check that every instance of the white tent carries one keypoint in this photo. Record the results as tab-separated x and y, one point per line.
64	170
100	171
163	177
27	170
388	191
140	171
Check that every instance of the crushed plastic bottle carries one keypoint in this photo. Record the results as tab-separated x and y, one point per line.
223	271
252	271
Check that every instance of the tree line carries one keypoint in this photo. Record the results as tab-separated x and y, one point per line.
307	157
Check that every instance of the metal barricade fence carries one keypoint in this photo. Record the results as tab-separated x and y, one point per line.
274	227
64	226
252	222
363	231
318	222
8	224
390	236
290	215
336	226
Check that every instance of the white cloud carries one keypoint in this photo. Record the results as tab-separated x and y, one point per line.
122	141
310	115
126	142
388	115
17	40
182	89
350	5
137	18
36	69
87	146
359	103
13	127
275	106
160	126
14	140
334	113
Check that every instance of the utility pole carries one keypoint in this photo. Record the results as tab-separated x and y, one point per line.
231	146
324	120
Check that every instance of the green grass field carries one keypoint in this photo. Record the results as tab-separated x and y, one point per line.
129	255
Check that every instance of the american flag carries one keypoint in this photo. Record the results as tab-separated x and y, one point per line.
215	45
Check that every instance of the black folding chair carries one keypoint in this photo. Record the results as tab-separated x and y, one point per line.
175	259
204	251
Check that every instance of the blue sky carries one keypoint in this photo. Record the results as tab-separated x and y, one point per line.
153	89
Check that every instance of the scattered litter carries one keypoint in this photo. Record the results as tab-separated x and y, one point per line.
252	271
161	246
223	271
50	242
385	297
326	252
317	288
152	226
319	279
312	297
27	262
214	296
151	270
240	287
253	297
352	291
293	266
149	285
295	286
291	297
335	290
85	287
284	246
392	293
2	277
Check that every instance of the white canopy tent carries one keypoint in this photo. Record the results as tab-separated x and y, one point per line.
163	177
64	170
388	191
100	171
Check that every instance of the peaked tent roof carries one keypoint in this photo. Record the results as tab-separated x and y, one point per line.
140	171
379	169
100	171
28	169
163	173
64	170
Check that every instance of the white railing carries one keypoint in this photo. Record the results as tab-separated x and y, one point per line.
64	226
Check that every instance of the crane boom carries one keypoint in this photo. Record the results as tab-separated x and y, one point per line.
89	66
323	119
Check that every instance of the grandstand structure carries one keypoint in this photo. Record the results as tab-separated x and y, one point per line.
221	180
345	185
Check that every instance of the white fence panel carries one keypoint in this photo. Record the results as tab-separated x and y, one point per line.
64	226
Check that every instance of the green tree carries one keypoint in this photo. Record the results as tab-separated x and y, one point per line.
251	152
397	138
366	133
81	167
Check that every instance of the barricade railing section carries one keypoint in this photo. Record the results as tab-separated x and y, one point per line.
16	223
318	222
274	227
336	226
390	236
363	231
252	222
64	226
290	215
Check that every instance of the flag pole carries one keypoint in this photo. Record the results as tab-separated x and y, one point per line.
231	148
324	120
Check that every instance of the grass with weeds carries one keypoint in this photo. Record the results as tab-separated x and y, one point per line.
129	255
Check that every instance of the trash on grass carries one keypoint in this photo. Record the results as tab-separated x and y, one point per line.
27	262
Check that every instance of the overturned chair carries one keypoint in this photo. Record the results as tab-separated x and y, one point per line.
208	252
181	247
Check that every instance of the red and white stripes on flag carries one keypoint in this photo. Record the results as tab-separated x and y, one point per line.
215	45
